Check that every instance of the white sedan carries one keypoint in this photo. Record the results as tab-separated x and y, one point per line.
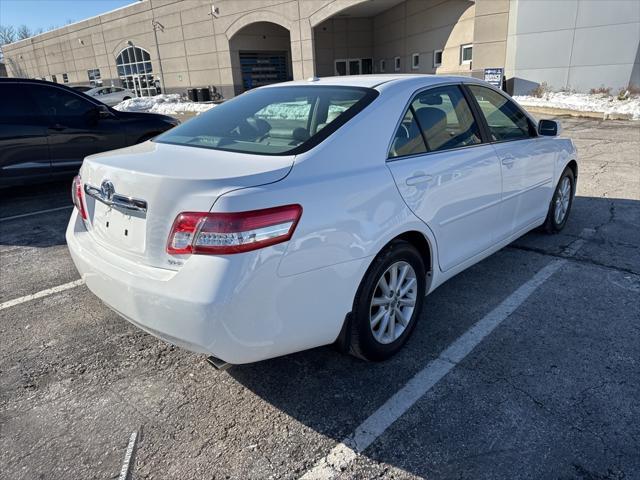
312	212
110	95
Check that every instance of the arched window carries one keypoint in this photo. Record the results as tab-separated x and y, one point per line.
136	72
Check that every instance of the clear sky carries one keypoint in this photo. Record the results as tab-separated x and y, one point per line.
47	13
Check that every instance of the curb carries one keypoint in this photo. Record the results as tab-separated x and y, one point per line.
577	113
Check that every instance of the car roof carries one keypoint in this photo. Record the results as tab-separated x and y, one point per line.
373	81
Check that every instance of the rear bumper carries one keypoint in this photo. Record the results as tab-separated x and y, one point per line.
234	307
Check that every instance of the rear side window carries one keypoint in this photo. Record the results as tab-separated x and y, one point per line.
16	106
505	119
273	121
442	118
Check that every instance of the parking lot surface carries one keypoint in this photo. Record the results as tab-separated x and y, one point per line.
551	392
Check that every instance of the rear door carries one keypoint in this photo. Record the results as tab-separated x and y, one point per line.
527	161
75	129
447	176
23	136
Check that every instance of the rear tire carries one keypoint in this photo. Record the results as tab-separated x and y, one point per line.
561	203
387	304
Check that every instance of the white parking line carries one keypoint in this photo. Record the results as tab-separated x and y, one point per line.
126	466
43	293
374	426
48	210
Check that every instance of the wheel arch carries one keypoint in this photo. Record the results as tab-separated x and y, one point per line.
573	165
423	243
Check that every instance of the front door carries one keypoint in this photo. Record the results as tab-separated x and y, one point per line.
446	175
75	129
527	161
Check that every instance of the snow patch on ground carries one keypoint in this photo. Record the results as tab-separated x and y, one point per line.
584	102
167	104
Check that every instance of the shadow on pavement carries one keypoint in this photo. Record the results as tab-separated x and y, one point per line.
333	393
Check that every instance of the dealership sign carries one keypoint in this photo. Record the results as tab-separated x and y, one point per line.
494	76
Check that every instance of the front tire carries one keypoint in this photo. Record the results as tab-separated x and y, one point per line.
388	303
561	203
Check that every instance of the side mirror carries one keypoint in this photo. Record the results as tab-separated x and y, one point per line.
549	128
104	112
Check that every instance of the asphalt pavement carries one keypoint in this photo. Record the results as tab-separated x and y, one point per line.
550	390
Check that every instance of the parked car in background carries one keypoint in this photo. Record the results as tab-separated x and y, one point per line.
305	213
83	88
110	95
47	129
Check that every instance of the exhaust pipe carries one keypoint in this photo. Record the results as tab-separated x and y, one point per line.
217	363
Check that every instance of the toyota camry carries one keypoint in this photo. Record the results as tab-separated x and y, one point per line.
315	212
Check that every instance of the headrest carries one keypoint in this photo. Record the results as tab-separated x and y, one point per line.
429	118
300	134
262	126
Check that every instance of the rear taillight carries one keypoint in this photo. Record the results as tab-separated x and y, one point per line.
225	233
77	195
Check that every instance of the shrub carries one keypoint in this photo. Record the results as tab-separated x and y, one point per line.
540	90
601	90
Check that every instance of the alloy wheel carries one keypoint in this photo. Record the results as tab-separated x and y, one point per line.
393	302
562	200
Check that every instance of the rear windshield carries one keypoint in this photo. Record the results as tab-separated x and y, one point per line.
273	121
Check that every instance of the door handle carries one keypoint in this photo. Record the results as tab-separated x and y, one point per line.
508	161
418	179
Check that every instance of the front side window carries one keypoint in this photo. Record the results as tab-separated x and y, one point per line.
505	120
272	121
61	106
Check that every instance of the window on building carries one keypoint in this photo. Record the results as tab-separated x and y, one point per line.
396	63
95	80
136	72
466	54
505	120
415	61
54	79
437	58
65	78
367	66
383	66
341	67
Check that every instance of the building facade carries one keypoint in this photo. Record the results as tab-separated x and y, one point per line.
235	45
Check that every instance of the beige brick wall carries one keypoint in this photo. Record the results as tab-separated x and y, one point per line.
198	50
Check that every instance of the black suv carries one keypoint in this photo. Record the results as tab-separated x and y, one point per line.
46	130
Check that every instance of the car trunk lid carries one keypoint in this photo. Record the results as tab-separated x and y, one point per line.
134	194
